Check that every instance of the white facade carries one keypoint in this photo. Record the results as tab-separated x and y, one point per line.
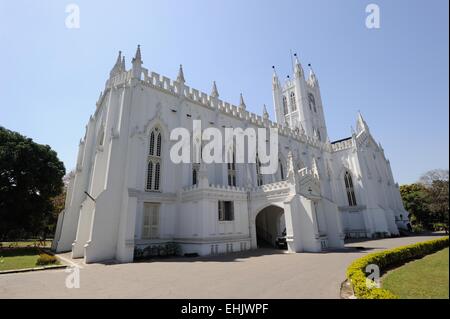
322	192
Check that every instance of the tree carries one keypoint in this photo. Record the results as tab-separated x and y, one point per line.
438	204
30	175
429	177
58	203
415	200
427	200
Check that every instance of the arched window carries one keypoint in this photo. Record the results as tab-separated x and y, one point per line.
149	175
281	169
154	161
312	102
259	177
152	143
158	145
349	189
293	103
285	106
232	171
157	174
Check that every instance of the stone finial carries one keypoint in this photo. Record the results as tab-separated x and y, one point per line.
312	76
315	167
138	55
298	66
361	124
180	77
137	64
122	66
290	161
117	66
203	181
290	167
275	80
214	91
241	102
265	113
119	58
99	98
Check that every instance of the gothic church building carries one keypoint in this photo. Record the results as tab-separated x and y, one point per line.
126	193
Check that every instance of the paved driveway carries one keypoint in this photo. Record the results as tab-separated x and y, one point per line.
262	273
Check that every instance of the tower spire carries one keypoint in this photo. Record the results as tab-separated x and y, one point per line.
137	63
180	77
265	113
241	102
214	91
312	76
275	80
361	124
298	69
123	67
117	66
138	56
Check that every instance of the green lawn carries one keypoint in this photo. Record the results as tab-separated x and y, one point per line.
18	258
426	278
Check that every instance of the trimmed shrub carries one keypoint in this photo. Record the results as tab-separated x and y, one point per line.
385	259
46	259
418	228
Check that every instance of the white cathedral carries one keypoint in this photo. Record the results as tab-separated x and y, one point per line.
126	193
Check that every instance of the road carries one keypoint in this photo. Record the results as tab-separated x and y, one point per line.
262	273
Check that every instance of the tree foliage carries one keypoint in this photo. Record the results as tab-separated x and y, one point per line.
428	200
30	176
429	177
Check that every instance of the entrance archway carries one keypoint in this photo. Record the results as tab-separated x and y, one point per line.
270	224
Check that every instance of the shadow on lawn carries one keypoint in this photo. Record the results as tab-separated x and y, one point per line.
20	251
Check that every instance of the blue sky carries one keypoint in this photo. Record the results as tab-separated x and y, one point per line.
396	75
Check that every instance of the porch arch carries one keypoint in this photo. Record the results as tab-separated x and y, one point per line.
270	223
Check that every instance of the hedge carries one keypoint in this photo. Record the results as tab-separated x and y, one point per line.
46	259
384	259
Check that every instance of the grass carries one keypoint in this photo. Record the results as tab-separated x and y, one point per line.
18	258
426	278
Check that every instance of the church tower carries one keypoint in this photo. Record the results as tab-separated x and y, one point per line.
298	104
